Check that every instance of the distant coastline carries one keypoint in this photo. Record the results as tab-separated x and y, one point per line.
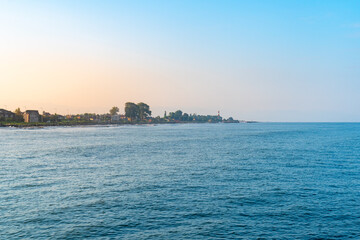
139	113
40	125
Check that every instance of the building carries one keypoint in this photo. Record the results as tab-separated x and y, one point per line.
117	118
31	116
5	114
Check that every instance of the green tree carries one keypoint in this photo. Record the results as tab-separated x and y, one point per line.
178	115
171	115
185	117
144	110
19	117
54	118
114	110
131	111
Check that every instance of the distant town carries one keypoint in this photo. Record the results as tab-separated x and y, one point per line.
139	113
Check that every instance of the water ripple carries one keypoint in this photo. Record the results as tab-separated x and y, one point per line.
191	181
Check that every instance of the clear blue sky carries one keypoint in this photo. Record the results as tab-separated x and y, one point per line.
255	60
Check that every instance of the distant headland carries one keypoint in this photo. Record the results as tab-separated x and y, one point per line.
139	113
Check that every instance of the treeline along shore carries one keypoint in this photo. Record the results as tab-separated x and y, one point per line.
139	113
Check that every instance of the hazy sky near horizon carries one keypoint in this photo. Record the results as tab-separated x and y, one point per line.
264	60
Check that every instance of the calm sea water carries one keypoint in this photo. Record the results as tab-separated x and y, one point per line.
182	181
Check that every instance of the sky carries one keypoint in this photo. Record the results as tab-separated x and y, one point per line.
263	60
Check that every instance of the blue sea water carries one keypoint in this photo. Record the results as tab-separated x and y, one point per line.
181	181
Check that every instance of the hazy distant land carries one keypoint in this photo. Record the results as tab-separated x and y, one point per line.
133	114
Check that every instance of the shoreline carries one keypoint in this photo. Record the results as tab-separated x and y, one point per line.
43	125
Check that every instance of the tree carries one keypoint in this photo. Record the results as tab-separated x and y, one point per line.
54	118
19	117
185	117
18	112
144	110
114	110
178	115
131	110
171	115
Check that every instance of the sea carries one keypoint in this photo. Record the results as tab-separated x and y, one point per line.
181	181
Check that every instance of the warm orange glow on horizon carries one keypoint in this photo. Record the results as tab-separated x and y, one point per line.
72	57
